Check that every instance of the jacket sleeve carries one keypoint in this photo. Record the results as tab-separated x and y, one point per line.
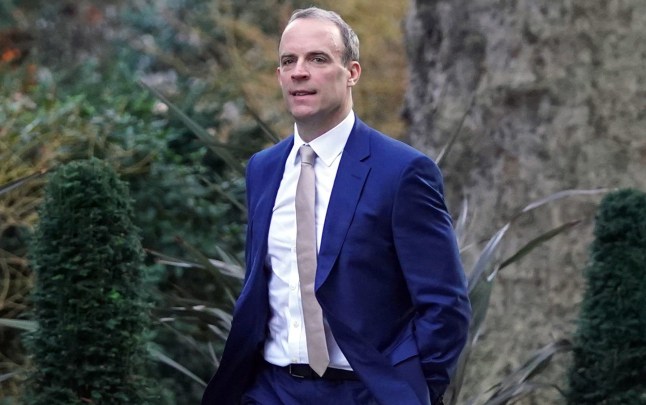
429	257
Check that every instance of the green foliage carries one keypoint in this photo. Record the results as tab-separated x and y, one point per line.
89	299
609	364
20	194
480	280
181	189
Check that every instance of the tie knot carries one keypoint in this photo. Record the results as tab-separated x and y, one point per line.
307	155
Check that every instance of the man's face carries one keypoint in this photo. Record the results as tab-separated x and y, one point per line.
316	84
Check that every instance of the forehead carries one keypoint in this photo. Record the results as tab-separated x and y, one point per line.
309	34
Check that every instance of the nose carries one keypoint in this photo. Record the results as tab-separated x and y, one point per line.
300	71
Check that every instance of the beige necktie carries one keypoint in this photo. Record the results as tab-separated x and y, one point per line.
306	260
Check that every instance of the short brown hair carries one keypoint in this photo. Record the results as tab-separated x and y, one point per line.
350	39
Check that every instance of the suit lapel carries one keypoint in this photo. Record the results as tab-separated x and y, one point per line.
348	185
274	165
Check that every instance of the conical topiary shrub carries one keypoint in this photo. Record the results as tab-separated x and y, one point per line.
87	257
609	364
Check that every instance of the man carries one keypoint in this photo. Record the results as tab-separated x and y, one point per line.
354	292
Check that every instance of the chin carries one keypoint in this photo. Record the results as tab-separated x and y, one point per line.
302	114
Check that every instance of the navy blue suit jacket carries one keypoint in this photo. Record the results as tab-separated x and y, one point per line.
389	278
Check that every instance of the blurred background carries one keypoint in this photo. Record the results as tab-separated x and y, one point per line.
533	98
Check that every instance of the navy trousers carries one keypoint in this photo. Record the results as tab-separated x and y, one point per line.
275	386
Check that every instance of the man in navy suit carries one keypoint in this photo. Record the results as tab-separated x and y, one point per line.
388	279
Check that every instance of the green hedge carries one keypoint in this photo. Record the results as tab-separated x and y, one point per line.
88	298
610	344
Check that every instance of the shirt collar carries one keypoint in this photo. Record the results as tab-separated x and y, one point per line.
329	145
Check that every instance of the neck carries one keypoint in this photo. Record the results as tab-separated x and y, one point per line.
309	130
309	133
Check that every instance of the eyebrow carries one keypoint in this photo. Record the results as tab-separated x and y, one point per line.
308	54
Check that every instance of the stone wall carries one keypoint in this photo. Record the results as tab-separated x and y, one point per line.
555	98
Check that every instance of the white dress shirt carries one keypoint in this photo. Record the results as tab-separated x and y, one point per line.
286	340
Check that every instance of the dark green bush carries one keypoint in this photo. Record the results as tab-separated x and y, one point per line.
87	98
610	344
89	298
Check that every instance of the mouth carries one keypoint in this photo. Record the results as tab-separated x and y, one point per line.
300	93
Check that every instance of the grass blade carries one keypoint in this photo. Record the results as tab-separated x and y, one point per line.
485	259
269	133
202	314
457	380
5	188
29	326
534	243
5	377
228	269
560	195
517	383
461	223
222	281
228	196
487	254
456	134
161	357
479	297
220	149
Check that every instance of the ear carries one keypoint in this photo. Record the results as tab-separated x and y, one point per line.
278	74
355	72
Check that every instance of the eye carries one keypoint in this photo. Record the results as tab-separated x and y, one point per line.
319	59
286	61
